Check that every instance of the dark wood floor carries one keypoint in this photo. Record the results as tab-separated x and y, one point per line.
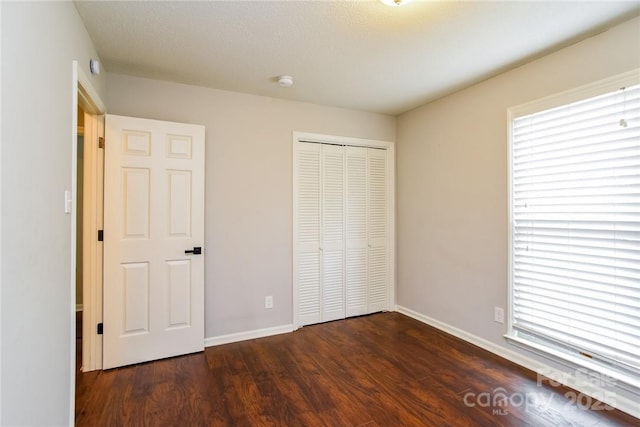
380	370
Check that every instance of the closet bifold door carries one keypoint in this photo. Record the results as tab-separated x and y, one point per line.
342	233
332	231
320	245
367	231
308	194
356	223
378	231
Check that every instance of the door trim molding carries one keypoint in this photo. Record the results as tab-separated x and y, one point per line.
94	108
389	146
91	247
83	94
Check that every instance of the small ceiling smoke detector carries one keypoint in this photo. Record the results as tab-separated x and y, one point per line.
94	66
285	81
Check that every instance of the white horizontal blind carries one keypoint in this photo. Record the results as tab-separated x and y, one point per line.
576	229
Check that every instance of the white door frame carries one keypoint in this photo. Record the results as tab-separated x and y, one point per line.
391	186
92	249
93	217
85	95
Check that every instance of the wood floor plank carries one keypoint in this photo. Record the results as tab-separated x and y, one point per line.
343	391
290	395
109	399
379	370
393	371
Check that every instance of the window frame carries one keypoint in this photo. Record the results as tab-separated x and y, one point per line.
594	89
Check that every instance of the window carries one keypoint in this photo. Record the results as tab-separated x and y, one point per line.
575	227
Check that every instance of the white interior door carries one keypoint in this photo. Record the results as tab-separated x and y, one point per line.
154	213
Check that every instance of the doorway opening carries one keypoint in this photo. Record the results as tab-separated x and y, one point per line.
87	214
89	198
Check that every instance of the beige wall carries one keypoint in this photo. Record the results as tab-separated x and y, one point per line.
39	42
248	206
452	182
451	192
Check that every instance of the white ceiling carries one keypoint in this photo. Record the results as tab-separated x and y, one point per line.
354	54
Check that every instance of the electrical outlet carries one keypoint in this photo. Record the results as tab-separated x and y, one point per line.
268	302
498	314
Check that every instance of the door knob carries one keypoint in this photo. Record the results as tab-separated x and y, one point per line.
197	250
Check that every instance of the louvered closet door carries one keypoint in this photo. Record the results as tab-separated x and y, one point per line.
308	194
342	232
332	246
377	265
366	222
356	223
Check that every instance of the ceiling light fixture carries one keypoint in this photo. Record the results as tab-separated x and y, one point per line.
395	3
285	81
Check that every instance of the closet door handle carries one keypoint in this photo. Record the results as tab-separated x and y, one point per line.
197	250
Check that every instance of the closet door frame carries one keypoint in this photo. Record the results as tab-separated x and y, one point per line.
389	146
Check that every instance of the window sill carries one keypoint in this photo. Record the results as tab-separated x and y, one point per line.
600	375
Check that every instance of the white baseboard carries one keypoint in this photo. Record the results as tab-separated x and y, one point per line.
248	335
78	307
473	339
621	402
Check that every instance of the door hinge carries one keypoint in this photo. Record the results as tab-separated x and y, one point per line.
100	142
100	329
100	235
